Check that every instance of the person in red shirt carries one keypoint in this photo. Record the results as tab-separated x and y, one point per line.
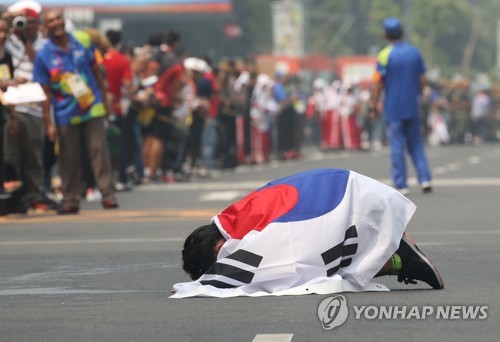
166	97
119	78
118	72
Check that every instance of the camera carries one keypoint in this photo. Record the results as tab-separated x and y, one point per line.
19	23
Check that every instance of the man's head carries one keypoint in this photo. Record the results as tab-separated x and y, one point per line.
33	22
393	29
200	250
114	37
54	23
173	39
25	22
155	39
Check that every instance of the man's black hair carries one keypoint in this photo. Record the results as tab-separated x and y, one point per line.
199	252
207	59
172	37
155	39
114	36
394	35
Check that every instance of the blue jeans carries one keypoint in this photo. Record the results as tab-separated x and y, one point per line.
209	139
405	134
137	155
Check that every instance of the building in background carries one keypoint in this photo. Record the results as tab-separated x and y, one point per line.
138	19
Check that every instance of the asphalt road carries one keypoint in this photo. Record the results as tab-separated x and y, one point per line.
107	275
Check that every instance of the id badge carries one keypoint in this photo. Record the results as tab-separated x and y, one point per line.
78	86
5	72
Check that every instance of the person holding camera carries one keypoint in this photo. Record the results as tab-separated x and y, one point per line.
24	144
6	71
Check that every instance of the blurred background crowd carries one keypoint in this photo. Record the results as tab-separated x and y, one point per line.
174	115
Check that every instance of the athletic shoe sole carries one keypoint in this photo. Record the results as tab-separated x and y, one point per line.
438	282
426	187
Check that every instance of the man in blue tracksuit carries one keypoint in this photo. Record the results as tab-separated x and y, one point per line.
401	75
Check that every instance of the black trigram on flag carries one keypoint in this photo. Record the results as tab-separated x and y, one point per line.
342	250
233	272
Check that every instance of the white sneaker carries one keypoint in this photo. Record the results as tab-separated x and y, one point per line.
404	191
97	195
89	196
93	195
426	187
120	186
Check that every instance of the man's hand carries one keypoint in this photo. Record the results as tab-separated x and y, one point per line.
108	104
7	83
51	131
20	80
373	112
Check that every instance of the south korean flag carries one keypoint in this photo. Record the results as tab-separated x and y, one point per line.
320	231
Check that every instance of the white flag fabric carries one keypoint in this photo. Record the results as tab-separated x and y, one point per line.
320	231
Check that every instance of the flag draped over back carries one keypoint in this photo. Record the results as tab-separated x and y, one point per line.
319	231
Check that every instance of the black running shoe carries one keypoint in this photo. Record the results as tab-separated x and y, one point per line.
426	187
416	266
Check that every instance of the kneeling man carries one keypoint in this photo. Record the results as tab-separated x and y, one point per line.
318	231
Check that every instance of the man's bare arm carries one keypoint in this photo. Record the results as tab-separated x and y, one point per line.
102	86
377	93
50	127
423	82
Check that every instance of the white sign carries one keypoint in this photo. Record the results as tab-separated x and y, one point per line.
107	24
79	15
288	28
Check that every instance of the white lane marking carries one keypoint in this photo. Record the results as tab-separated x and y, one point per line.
273	338
252	185
212	186
434	243
452	167
459	232
474	160
62	273
457	182
316	157
220	196
181	239
87	241
439	170
55	291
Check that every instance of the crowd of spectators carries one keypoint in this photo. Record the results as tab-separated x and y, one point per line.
162	115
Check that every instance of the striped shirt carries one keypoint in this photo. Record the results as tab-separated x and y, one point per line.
23	68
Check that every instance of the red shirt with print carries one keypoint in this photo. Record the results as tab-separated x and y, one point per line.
169	85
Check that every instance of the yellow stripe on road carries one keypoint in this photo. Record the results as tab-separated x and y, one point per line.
113	216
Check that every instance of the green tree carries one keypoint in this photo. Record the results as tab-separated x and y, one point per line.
255	18
453	35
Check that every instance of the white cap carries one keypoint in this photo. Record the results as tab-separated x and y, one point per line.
24	4
196	64
320	83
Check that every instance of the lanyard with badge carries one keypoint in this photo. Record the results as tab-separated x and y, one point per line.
77	85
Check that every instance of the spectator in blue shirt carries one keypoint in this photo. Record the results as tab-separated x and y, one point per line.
401	75
67	69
